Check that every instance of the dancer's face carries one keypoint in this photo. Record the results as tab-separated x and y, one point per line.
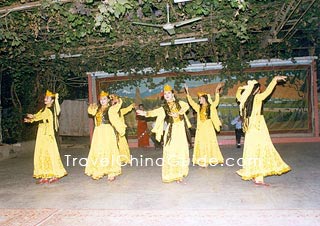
114	101
48	101
104	101
257	91
141	107
202	100
168	96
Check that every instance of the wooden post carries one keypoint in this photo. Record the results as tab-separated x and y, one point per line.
0	110
92	96
315	98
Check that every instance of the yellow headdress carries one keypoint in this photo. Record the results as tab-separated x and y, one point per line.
49	94
103	94
200	94
167	88
247	89
57	108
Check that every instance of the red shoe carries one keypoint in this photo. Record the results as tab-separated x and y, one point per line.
110	179
52	180
261	183
42	181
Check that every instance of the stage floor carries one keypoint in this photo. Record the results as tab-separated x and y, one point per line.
212	196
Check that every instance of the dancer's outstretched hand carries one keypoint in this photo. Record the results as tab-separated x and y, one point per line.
219	86
141	112
186	89
281	78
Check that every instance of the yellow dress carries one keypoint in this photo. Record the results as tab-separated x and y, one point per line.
175	163
104	158
122	140
260	158
206	150
47	161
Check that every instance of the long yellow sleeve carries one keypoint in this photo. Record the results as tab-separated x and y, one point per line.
40	115
216	99
215	118
118	105
115	120
126	110
159	123
193	104
184	109
268	90
155	112
92	110
238	93
214	113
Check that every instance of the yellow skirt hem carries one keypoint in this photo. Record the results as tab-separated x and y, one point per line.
206	164
49	176
101	176
175	179
246	177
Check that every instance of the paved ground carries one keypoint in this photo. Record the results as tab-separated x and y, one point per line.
211	196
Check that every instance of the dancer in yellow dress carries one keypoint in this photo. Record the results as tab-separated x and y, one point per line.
47	162
206	149
122	140
175	165
260	158
104	156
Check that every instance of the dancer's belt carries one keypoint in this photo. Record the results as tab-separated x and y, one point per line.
43	121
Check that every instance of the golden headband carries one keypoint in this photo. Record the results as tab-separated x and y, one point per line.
167	88
200	94
50	94
103	94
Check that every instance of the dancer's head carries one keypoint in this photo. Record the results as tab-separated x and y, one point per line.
250	89
168	93
104	98
141	107
247	97
114	99
49	98
203	98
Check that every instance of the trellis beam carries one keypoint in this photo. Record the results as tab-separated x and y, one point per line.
21	7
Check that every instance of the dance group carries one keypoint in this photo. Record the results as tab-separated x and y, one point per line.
109	147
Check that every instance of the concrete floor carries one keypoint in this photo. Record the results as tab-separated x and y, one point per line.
210	195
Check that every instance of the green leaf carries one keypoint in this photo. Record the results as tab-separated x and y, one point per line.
112	2
71	17
99	18
15	42
102	8
56	47
123	2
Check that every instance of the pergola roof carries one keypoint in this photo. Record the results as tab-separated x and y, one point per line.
99	35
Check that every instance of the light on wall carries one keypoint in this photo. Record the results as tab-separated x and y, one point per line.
183	41
63	55
177	1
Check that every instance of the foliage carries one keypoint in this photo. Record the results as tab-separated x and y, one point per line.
11	126
38	45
